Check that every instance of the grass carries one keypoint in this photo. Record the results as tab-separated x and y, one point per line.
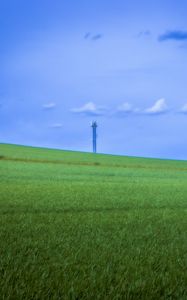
83	226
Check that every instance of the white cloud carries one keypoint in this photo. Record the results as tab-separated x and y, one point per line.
184	109
49	105
125	107
56	125
159	107
89	109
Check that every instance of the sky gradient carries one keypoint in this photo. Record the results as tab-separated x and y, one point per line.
121	63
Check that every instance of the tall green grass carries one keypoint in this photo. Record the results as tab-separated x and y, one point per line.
83	226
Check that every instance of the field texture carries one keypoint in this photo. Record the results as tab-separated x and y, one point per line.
85	226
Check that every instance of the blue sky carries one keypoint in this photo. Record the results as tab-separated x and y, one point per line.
122	63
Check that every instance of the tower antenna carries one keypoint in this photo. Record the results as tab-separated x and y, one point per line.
94	131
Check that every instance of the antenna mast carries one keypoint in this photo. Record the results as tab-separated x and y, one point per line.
94	130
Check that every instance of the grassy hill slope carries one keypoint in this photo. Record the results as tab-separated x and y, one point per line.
83	226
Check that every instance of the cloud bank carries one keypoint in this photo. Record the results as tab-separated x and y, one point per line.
159	107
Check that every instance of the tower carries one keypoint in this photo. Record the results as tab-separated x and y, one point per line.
94	130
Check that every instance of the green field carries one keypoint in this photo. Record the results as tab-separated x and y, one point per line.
83	226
